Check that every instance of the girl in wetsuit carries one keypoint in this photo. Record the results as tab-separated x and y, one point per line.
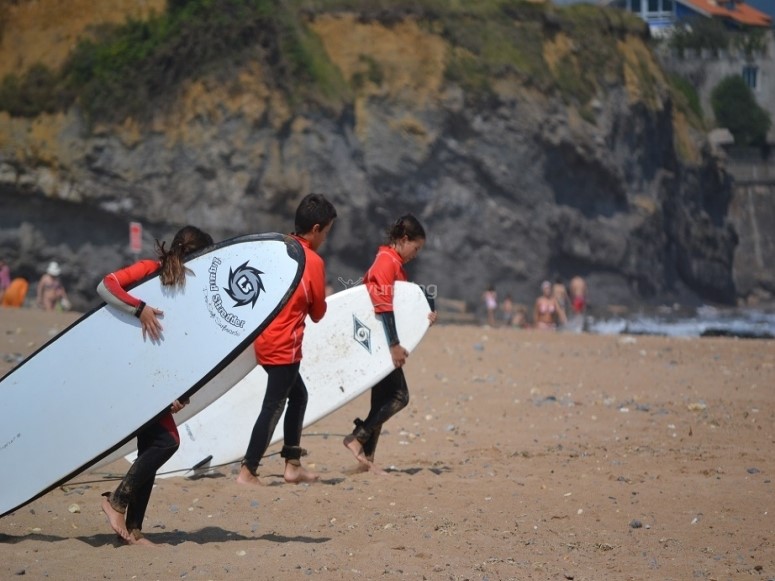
406	238
156	443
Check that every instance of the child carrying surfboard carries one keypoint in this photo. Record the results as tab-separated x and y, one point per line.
125	507
406	237
278	350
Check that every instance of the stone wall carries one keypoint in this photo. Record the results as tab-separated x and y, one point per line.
707	69
753	213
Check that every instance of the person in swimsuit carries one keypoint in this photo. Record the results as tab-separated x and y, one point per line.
507	310
278	350
406	238
156	443
490	298
578	293
547	313
51	293
561	294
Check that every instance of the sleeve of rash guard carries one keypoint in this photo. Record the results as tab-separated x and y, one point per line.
380	280
318	304
111	288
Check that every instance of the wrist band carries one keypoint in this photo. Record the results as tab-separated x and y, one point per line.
139	309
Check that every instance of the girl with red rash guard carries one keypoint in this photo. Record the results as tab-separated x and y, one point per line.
406	238
125	506
278	350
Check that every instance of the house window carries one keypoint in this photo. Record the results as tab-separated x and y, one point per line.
751	77
653	6
667	5
635	6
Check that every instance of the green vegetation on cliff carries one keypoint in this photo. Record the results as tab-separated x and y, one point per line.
138	67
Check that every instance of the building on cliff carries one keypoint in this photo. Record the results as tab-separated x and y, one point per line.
662	15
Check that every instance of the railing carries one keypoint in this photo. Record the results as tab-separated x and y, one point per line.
746	172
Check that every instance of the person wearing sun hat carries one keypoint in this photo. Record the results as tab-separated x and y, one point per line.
51	294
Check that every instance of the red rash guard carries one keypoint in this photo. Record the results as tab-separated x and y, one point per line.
387	268
280	342
116	282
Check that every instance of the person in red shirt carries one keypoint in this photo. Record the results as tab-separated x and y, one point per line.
278	350
406	238
156	443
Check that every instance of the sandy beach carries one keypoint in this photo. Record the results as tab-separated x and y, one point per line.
522	455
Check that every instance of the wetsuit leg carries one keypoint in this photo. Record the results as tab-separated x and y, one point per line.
280	381
294	420
155	445
388	397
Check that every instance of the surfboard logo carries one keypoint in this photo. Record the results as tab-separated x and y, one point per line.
361	334
244	285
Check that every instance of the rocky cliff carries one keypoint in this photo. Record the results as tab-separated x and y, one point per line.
524	182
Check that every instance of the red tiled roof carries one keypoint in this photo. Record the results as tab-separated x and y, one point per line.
742	13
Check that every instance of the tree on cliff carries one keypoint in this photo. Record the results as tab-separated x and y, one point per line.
735	108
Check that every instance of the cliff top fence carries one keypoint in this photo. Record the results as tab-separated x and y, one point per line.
751	166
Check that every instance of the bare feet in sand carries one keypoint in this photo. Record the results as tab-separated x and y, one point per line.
115	518
297	474
245	476
351	443
137	538
374	469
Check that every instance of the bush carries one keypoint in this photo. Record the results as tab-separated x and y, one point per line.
687	99
132	69
36	92
735	108
700	33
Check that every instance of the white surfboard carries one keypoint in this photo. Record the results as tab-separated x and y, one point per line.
96	384
345	354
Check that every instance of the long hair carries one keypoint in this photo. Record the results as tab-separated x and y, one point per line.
407	225
188	239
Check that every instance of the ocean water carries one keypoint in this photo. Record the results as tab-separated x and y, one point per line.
747	323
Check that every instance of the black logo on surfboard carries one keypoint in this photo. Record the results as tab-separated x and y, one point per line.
361	334
244	285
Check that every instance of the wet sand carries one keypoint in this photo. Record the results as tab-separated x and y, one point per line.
522	455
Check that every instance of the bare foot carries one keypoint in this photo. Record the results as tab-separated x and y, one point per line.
298	474
351	443
137	538
246	477
115	518
374	469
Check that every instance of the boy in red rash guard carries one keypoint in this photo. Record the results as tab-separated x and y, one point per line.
278	350
406	238
125	506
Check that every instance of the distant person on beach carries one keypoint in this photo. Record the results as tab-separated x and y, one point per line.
5	277
578	294
51	294
520	318
561	295
490	298
507	311
406	237
16	293
278	350
547	313
156	443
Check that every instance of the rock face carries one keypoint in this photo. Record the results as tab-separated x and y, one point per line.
753	214
513	190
